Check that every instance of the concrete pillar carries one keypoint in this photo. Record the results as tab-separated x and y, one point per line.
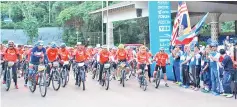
236	27
109	35
214	26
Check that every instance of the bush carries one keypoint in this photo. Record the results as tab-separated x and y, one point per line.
11	25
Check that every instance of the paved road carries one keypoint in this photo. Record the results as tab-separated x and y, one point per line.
116	96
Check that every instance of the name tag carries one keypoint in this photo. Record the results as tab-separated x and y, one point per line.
182	58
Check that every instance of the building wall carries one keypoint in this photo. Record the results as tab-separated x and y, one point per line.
124	15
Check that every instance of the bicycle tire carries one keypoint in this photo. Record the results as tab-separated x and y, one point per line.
144	84
157	80
107	79
123	78
8	80
79	79
93	74
56	74
42	78
32	87
64	77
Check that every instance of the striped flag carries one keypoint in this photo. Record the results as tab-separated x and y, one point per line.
181	23
186	39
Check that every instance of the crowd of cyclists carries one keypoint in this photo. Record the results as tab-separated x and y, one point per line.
217	69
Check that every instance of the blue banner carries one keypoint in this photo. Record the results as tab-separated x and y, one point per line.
160	29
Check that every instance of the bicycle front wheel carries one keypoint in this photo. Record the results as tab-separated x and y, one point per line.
64	77
157	80
107	79
8	80
42	85
56	80
32	83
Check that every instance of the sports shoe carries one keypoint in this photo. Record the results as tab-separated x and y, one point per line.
196	89
25	85
229	96
166	85
3	82
16	86
216	94
223	94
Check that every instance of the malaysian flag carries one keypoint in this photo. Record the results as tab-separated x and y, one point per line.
182	24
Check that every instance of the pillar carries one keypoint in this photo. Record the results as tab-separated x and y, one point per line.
214	26
236	27
109	35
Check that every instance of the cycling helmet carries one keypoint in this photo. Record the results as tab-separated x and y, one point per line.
104	46
39	43
53	45
121	46
10	42
63	45
142	47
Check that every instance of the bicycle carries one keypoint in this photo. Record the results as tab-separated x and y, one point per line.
54	76
38	78
122	67
80	72
9	75
64	73
142	78
106	76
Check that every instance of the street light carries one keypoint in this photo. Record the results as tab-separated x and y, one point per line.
77	35
88	39
98	40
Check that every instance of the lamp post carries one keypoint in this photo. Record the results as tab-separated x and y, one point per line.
98	40
77	35
88	39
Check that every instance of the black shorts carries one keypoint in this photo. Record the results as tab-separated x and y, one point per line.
162	67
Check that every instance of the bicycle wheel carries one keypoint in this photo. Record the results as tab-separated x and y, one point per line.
157	80
107	80
93	74
42	85
8	80
79	80
74	73
83	80
144	83
56	80
64	77
32	86
123	78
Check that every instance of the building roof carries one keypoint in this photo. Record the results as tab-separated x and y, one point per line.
115	6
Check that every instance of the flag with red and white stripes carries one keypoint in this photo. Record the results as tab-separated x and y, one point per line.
181	23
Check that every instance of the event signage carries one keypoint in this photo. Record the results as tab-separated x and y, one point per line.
160	29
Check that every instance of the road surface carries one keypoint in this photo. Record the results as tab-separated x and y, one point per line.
117	96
